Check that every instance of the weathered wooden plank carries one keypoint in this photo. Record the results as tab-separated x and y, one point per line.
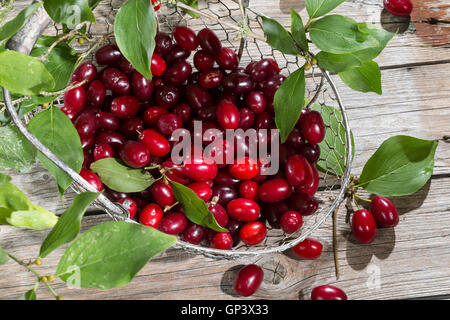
409	261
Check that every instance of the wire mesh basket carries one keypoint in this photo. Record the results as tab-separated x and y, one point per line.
223	17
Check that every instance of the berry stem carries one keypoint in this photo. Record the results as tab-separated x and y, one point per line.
361	198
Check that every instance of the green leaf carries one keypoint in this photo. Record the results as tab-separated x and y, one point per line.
13	199
3	256
195	208
93	3
121	178
36	218
4	178
288	102
278	37
15	151
71	12
332	148
193	4
69	224
338	34
341	62
109	255
298	31
401	166
23	74
135	30
54	129
366	78
60	63
317	8
11	27
6	7
29	295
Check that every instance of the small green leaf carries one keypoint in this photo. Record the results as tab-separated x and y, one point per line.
121	178
288	102
339	34
70	12
68	225
3	256
332	148
109	255
366	78
317	8
23	74
341	62
15	151
135	30
401	166
4	179
195	208
36	218
11	27
54	129
93	3
298	31
60	63
29	295
278	37
193	4
13	199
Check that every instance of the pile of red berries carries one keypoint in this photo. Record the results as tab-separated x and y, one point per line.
119	113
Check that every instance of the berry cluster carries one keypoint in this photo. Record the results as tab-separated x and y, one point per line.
119	113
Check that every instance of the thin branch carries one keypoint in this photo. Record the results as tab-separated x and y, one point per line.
335	244
316	95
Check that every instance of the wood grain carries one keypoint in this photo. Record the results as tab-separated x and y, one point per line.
410	261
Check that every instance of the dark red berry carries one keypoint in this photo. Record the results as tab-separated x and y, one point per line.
384	212
113	138
194	233
308	249
93	179
130	205
177	53
303	203
249	190
103	151
178	72
248	280
210	79
86	70
243	210
198	97
227	59
220	214
264	69
313	128
222	240
163	43
274	190
291	221
86	125
125	66
135	154
96	93
156	143
163	194
168	123
116	81
297	169
167	96
142	88
75	99
203	61
131	127
152	115
108	55
185	37
228	115
311	152
327	292
225	194
124	107
364	226
174	223
209	41
271	85
238	83
311	182
256	101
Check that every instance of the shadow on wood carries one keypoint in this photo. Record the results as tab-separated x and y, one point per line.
226	284
394	24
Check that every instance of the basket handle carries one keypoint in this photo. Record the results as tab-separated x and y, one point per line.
23	41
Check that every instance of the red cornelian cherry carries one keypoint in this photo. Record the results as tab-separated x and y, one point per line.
194	233
75	99
198	97
256	101
327	292
167	96
203	61
86	125
224	178
384	212
184	111
227	59
313	128
130	205
93	179
142	88
364	226
253	233
163	194
209	41
225	194
219	213
178	72
303	203
297	169
244	169
152	115
108	55
227	115
202	190
116	81
243	210
311	183
200	169
210	79
131	127
151	215
125	66
158	65
264	69
309	249
156	143
174	223
311	152
274	190
86	70
185	37
124	107
248	280
291	222
222	240
168	123
177	53
107	121
135	154
113	138
400	8
103	151
249	190
163	43
96	93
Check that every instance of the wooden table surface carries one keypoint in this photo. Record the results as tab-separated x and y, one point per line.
410	261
